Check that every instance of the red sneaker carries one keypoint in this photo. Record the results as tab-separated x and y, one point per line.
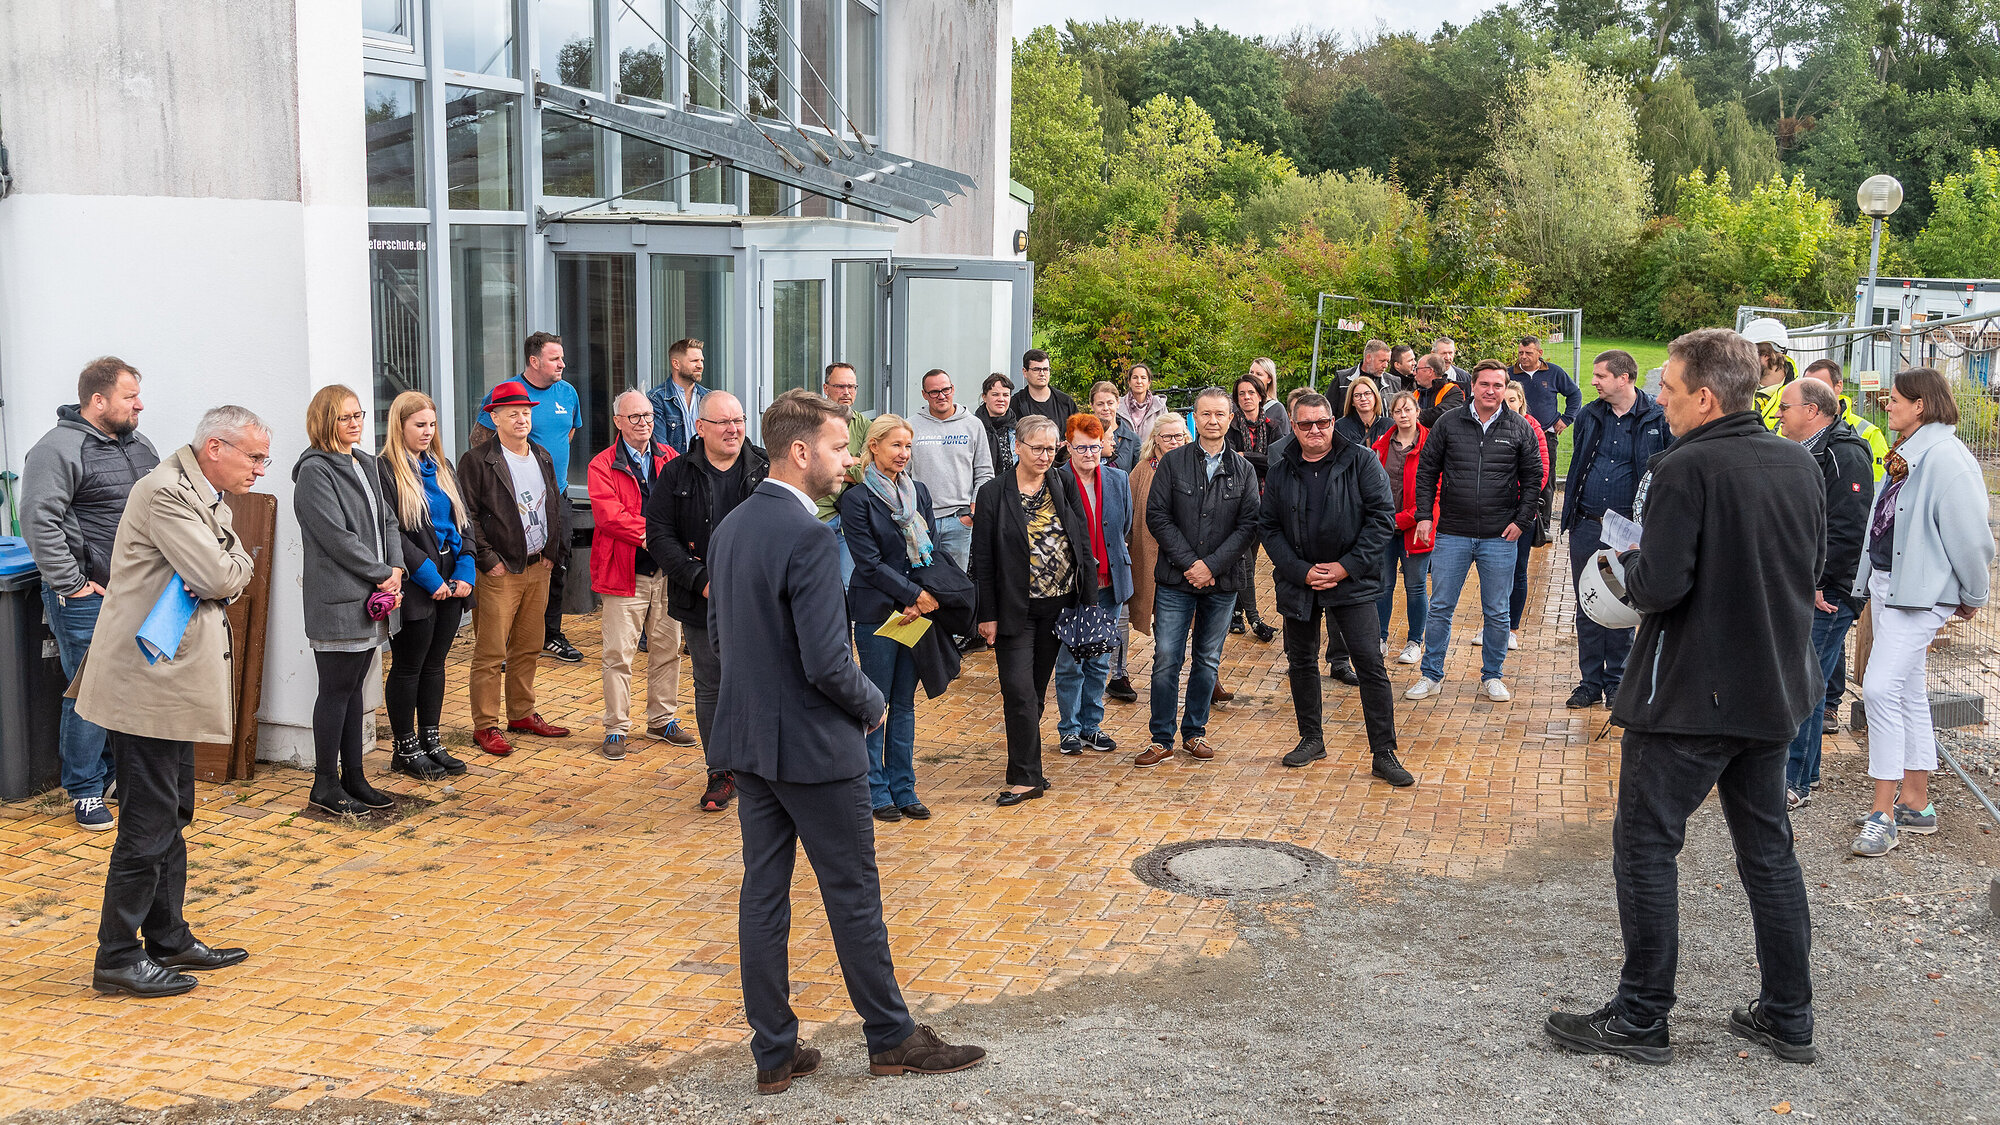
492	741
721	787
535	724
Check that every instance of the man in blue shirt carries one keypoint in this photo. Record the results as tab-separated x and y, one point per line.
558	416
1615	435
1543	381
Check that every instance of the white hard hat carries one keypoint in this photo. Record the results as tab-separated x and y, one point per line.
1767	330
1600	590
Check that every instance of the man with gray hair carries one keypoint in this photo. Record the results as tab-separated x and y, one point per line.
155	706
629	579
1723	674
1374	360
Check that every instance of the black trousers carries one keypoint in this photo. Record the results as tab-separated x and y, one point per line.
834	822
707	674
1024	661
146	887
1662	780
337	715
415	693
1358	628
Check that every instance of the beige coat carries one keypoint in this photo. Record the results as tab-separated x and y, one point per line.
174	524
1145	550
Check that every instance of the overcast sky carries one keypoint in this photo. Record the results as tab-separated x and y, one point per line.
1264	17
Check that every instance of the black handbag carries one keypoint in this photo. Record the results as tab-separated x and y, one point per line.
1087	630
1544	531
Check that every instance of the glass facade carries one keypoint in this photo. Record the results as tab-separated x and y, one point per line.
478	35
767	58
857	326
482	140
572	158
638	35
598	321
388	19
568	42
798	334
694	297
399	286
816	67
395	142
862	66
488	311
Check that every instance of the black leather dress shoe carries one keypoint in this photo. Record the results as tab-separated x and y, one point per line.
888	813
916	810
144	979
1345	673
199	957
1008	798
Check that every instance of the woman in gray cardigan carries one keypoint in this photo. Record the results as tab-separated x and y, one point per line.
1926	560
352	551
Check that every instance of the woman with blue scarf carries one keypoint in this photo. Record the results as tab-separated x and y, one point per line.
888	525
431	513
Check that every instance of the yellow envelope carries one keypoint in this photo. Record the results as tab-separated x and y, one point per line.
905	635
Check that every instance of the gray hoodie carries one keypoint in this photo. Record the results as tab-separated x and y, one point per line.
951	457
73	490
351	539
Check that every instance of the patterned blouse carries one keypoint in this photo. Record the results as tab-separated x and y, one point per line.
1051	570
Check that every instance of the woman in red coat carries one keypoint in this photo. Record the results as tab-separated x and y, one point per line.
1398	451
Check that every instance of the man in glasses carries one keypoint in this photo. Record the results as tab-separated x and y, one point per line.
622	479
843	385
950	457
1038	397
693	495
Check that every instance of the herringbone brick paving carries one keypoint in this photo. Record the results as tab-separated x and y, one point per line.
553	910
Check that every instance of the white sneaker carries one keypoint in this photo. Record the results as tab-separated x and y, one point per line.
1497	691
1478	637
1412	653
1513	640
1423	689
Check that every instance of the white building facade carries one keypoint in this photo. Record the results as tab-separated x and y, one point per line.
250	201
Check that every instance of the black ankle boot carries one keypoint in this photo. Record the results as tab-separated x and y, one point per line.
355	784
431	744
329	797
1235	624
411	761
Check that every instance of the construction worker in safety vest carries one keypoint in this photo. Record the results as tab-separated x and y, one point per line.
1772	342
1828	371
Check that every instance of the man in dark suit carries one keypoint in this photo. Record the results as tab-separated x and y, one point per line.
791	721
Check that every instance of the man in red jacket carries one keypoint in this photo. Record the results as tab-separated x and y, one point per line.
631	583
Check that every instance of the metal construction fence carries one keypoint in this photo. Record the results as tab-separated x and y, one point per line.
1400	322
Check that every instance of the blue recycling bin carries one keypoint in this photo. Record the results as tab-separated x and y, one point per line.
31	680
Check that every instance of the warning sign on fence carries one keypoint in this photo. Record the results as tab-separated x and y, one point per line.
1346	325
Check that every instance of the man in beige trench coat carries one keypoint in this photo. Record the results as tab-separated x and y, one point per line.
176	528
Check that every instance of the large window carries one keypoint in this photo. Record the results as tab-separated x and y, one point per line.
707	37
482	137
768	49
643	163
598	321
478	35
816	70
798	342
571	157
389	21
638	31
695	298
487	313
857	326
395	142
568	42
861	66
399	272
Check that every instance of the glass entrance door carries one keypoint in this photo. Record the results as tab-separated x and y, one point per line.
969	316
597	317
795	307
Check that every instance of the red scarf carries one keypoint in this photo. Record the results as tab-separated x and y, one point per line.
1093	514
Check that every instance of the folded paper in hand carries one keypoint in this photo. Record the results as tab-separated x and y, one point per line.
160	635
1619	533
905	635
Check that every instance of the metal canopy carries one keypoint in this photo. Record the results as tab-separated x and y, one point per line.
892	185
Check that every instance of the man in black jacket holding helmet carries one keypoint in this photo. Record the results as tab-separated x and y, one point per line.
1721	674
1326	519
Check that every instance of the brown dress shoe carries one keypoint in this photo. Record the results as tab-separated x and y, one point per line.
805	1060
535	724
1198	749
925	1053
1153	755
492	741
1221	694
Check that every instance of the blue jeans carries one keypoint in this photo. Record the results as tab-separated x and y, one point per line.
1453	556
846	559
1080	684
1416	572
892	774
954	539
1176	612
1600	652
87	765
1517	598
1829	638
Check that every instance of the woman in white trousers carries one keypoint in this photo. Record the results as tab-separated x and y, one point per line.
1926	560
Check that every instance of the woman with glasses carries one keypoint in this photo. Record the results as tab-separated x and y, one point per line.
353	551
1121	443
1252	432
1168	433
1398	450
1031	560
1925	561
430	515
889	526
1363	418
1106	495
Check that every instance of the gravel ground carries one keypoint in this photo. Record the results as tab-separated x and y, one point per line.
1390	998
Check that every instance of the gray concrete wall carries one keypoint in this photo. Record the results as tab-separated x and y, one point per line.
948	72
163	98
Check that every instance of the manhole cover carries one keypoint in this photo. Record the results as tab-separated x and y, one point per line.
1230	868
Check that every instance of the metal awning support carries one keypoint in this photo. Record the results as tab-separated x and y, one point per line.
900	187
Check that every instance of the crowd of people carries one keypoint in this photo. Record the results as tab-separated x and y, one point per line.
1048	531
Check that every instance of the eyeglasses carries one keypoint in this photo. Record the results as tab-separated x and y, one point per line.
261	460
938	393
1173	440
1041	450
1311	424
645	419
725	422
1042	370
1086	450
348	419
843	386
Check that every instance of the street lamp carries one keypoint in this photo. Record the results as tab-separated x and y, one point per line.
1878	199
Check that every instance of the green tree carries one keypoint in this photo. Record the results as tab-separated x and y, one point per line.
1344	208
1357	132
1057	149
1110	52
1566	169
1962	238
1235	79
1675	136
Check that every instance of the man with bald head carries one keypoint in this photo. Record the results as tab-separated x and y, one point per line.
695	492
628	578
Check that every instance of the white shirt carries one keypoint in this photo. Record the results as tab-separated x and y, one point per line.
811	505
530	498
1486	424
